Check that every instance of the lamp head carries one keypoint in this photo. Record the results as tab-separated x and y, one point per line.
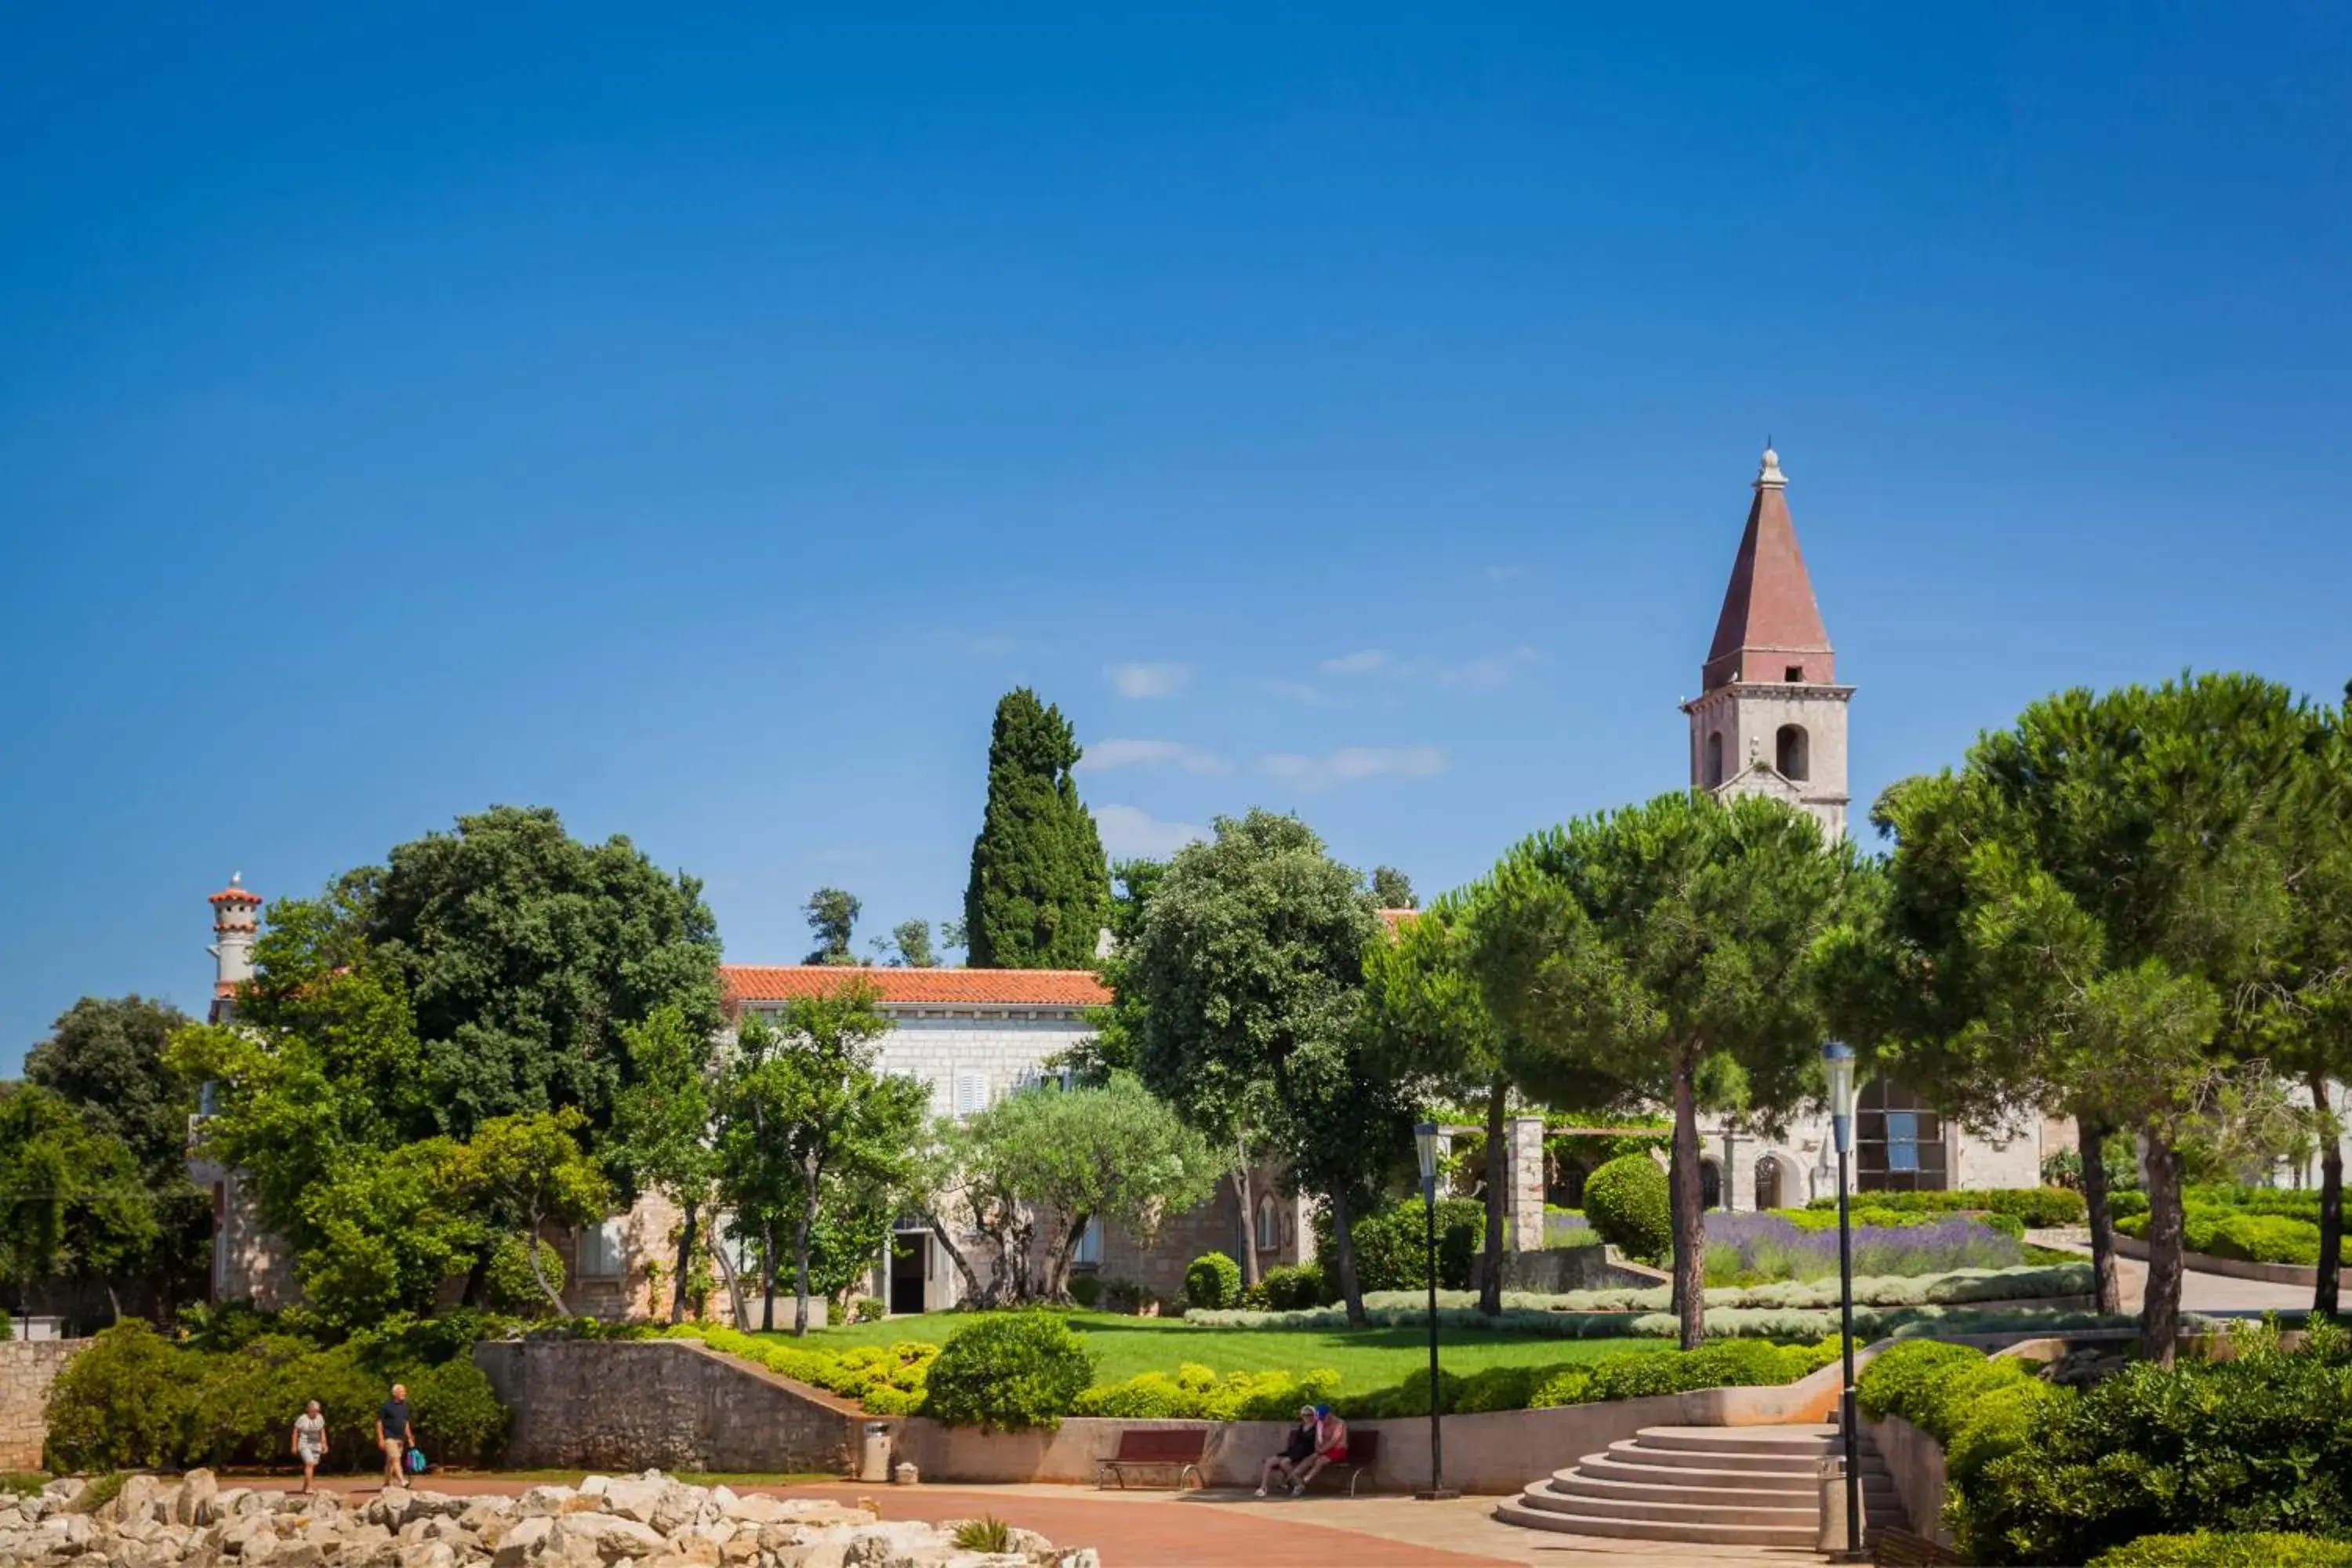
1424	1144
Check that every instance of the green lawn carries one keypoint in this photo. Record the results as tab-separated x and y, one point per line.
1365	1359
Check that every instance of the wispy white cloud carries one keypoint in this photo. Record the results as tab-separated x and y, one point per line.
1151	679
1369	661
1128	831
1102	756
1488	673
1300	692
1351	764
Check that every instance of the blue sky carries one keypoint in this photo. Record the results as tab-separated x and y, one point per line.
694	421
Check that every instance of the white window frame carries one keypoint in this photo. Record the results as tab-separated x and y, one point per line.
602	1251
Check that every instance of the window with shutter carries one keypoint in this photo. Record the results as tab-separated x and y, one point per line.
971	1093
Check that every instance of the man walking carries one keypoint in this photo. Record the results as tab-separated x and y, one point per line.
395	1435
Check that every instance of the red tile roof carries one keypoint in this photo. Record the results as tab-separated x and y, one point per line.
1770	621
233	894
742	983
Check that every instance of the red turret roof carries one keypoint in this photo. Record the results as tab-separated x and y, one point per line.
1770	623
742	983
234	894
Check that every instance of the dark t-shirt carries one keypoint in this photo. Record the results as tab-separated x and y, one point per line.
1301	1444
394	1413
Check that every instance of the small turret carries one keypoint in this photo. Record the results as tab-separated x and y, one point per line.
236	921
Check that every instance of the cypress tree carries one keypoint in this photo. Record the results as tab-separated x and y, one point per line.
1040	889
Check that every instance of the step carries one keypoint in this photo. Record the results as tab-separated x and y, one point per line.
1517	1512
1700	1507
1603	1479
1638	1451
1697	1511
1615	1467
1810	1439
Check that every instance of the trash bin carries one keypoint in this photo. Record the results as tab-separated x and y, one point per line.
876	1464
1831	1476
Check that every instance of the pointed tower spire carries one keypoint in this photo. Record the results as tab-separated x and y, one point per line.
1770	623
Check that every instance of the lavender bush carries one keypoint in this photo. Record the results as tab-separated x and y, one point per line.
1743	1248
1564	1229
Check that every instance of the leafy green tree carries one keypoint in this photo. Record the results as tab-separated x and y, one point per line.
1392	890
524	952
1040	889
832	919
379	1234
1250	968
909	946
1114	1153
833	1122
663	1133
105	1056
2314	1047
1435	1030
72	1201
1651	941
522	1172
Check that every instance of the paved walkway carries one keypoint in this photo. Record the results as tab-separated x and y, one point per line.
1230	1529
2198	1293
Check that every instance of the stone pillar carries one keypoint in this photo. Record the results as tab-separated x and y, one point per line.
1524	1168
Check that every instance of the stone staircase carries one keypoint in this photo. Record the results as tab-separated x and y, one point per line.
1750	1485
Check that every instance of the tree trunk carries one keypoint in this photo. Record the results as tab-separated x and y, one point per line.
1498	1199
971	1291
2092	1136
1056	1283
768	1276
687	1231
539	1275
2159	1317
113	1302
1343	1247
736	1309
2331	1200
800	1258
1249	1220
1690	1232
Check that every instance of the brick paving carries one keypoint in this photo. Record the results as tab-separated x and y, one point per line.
1226	1529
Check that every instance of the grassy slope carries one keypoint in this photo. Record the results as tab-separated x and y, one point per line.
1365	1360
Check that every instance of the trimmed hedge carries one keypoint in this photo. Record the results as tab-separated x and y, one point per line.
887	1380
2040	1208
2215	1549
1625	1201
1010	1374
1288	1287
1392	1247
1213	1280
2250	1236
1194	1392
1978	1406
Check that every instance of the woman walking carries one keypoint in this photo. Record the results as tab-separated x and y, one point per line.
310	1440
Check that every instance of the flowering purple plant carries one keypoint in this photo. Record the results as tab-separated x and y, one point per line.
1769	1246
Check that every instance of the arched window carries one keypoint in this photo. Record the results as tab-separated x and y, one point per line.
1790	753
1269	1226
1768	1183
1711	1184
1714	757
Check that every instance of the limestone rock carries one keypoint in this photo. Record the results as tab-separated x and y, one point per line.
199	1493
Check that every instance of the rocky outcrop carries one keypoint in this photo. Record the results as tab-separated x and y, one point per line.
650	1520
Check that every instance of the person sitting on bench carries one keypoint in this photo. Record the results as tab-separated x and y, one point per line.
1330	1448
1296	1452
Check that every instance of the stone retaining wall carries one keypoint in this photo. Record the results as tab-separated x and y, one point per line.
27	1368
2303	1274
1916	1461
619	1404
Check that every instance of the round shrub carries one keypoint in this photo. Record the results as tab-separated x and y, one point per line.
126	1401
455	1412
1625	1201
1085	1289
1214	1281
1013	1373
1392	1247
1898	1380
1287	1287
2125	1204
2219	1548
870	1310
1996	1423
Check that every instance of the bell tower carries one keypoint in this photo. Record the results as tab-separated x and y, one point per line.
1769	718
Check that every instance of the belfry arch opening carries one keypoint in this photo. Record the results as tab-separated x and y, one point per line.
1714	757
1791	753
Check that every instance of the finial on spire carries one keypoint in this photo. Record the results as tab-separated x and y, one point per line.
1768	473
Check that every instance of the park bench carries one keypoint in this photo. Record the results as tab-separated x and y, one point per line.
1891	1548
1363	1453
1176	1448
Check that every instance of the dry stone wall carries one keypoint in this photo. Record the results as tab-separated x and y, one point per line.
662	1403
27	1368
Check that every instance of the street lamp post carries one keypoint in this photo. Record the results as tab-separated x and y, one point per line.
1837	1066
1424	1143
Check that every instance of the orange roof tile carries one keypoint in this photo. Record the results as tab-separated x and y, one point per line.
233	894
742	983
